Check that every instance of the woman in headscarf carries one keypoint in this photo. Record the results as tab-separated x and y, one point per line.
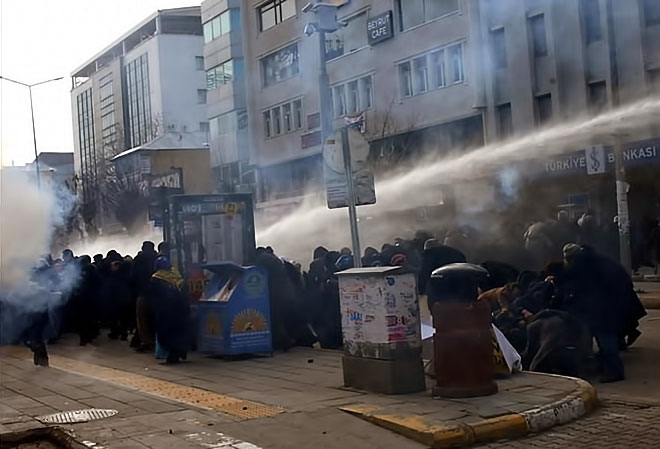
170	309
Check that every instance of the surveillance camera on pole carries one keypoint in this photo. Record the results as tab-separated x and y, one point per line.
327	14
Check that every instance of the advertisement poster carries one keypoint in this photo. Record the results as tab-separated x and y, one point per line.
379	309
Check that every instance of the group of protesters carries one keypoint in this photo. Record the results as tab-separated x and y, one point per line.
142	296
587	293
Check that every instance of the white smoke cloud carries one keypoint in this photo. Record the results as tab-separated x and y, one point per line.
28	216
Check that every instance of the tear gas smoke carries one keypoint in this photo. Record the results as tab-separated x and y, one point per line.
297	234
123	244
28	218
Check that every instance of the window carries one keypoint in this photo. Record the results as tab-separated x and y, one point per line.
274	12
201	96
537	34
204	127
591	21
339	100
277	123
224	124
347	39
352	97
597	96
438	71
504	121
267	126
432	70
220	25
366	92
543	109
297	114
288	118
224	73
281	65
654	80
405	77
651	12
499	48
139	129
455	54
199	62
415	12
283	119
421	74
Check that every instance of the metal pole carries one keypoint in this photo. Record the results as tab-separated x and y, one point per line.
350	193
324	86
625	257
34	137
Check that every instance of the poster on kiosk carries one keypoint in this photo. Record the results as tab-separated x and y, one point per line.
213	245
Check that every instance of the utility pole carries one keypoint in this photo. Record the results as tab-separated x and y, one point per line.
622	187
34	132
327	23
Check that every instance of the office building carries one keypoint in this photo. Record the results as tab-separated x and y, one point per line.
149	82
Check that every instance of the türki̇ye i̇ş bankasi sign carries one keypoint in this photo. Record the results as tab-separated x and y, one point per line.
634	154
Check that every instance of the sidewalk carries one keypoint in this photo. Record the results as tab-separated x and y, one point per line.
649	294
290	400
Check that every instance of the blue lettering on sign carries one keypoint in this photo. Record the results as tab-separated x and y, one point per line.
634	154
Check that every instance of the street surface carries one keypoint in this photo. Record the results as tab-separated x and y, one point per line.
630	413
240	400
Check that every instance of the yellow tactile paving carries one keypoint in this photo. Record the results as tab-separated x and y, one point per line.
189	395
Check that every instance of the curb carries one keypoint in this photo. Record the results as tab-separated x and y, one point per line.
576	404
650	301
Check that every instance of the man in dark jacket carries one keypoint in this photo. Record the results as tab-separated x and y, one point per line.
143	269
600	296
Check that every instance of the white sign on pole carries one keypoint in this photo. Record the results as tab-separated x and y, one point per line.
335	174
596	160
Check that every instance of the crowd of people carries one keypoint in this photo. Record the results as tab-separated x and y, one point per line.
551	315
142	296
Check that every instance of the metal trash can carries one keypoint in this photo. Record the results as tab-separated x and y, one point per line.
381	330
462	344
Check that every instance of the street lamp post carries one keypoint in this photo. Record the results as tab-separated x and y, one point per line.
34	132
327	23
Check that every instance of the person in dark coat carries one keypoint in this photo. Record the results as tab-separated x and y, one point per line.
314	286
85	305
281	297
142	270
435	255
371	258
171	310
600	298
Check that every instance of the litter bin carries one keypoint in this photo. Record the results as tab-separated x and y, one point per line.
381	330
462	344
233	315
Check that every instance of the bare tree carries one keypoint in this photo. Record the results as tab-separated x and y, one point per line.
391	137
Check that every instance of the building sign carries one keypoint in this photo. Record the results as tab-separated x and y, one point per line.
599	159
336	182
380	28
170	180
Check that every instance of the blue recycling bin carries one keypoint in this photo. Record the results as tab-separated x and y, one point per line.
234	312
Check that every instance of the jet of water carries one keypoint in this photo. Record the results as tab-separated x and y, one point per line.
297	234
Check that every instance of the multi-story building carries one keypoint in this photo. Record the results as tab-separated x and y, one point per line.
149	82
550	61
436	75
226	84
410	76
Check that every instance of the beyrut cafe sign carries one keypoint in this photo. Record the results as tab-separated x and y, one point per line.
380	28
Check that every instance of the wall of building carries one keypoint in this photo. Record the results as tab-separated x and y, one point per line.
195	164
179	82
